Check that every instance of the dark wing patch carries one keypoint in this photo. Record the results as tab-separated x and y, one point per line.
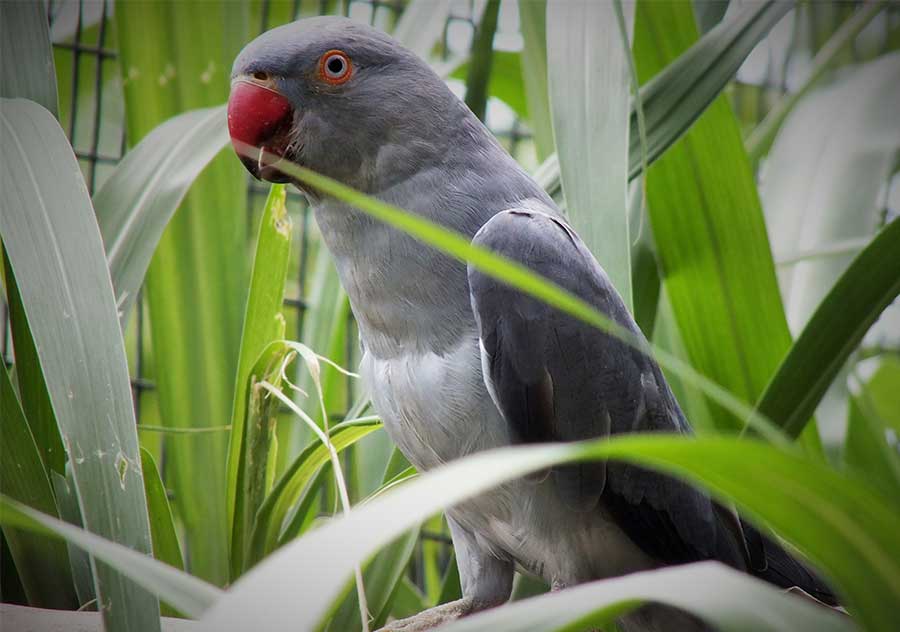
555	378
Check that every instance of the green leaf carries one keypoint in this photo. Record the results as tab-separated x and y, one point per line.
162	525
263	324
187	594
683	89
592	149
873	418
481	60
79	560
533	24
272	514
137	201
27	71
709	232
56	256
30	381
724	598
842	525
505	80
259	431
197	281
853	304
42	565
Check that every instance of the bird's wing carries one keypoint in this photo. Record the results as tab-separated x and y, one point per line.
555	378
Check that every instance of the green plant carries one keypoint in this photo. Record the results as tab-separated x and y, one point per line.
254	498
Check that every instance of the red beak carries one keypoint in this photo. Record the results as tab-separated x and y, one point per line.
258	117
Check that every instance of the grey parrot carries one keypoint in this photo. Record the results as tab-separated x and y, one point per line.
457	362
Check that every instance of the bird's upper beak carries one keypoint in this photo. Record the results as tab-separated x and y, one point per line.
259	123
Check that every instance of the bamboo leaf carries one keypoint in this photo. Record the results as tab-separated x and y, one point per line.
505	81
855	302
42	565
56	256
79	560
27	71
184	592
709	232
263	324
593	146
137	201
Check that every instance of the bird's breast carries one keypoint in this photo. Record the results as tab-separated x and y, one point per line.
435	405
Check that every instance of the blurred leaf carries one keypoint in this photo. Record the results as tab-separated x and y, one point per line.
853	304
263	324
197	280
592	149
408	600
505	80
184	592
56	255
42	565
823	178
533	24
761	139
844	527
682	90
381	577
27	71
137	201
709	232
421	25
725	598
481	59
873	425
272	514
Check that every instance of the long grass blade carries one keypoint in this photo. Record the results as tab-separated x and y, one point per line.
55	252
592	149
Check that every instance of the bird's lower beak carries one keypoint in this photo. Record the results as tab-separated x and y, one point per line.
259	123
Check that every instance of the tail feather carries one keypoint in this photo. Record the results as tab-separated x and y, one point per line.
786	571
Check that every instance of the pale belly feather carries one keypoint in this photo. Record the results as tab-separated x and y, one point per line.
436	408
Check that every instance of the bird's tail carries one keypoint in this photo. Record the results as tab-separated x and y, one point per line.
786	571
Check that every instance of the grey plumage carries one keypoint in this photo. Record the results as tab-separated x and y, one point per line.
457	362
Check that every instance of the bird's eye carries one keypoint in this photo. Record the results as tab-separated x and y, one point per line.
335	67
259	75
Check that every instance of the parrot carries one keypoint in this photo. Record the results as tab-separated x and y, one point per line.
456	362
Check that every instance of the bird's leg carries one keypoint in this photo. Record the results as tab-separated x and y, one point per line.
486	582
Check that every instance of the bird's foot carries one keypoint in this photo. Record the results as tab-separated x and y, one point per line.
431	618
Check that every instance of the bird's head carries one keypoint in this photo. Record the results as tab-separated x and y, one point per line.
339	98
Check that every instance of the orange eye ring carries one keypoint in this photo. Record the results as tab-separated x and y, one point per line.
335	67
